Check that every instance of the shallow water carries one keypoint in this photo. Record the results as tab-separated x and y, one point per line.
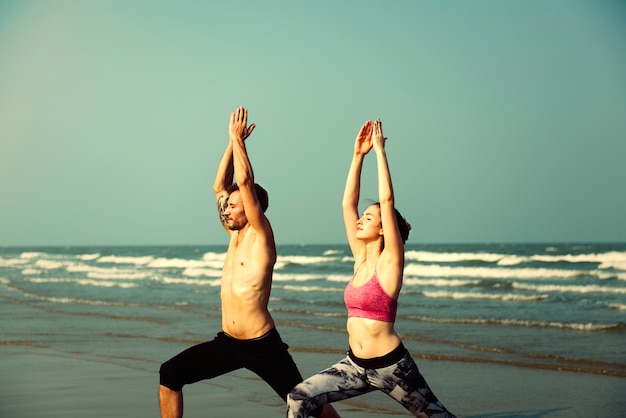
557	306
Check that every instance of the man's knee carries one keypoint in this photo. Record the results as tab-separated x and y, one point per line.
169	378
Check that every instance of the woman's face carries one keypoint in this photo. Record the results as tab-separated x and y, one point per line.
369	225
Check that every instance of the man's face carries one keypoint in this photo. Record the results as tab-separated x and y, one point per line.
235	215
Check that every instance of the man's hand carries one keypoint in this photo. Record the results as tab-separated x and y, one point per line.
363	143
378	140
238	127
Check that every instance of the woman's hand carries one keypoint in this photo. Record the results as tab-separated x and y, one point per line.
363	143
378	140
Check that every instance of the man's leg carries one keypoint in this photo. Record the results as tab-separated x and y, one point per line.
269	358
170	402
200	362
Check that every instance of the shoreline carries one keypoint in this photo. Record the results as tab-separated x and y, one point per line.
38	383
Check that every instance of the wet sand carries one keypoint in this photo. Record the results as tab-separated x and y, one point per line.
38	383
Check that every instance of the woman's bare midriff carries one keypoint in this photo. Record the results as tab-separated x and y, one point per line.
369	338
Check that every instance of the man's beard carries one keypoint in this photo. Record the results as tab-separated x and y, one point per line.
235	226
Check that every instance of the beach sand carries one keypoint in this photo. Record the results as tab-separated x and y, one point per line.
38	383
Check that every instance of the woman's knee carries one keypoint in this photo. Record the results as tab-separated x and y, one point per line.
301	405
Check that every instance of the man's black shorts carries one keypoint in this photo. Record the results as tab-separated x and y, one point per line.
267	356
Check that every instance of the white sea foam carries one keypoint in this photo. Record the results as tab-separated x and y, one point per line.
606	275
610	259
508	297
305	260
570	288
106	283
197	272
84	282
511	260
118	275
125	260
212	256
31	272
578	326
332	252
32	254
193	282
184	263
72	301
585	326
613	264
49	264
86	268
106	272
88	257
435	270
64	300
284	277
320	289
339	278
434	257
11	262
618	306
440	282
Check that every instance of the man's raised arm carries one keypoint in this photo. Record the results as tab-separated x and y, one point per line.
244	175
224	178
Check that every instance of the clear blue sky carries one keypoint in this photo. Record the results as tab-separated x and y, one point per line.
506	120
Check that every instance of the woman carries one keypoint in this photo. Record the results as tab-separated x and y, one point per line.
377	358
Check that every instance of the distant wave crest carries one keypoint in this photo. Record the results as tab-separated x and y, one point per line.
611	259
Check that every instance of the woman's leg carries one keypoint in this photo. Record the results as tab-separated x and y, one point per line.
342	381
404	383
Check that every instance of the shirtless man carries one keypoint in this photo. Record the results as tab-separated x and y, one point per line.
248	338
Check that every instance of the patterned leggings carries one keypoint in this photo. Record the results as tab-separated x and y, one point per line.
400	379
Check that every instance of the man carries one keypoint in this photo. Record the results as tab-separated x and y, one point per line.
249	338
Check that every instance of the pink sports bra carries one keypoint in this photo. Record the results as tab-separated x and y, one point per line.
370	301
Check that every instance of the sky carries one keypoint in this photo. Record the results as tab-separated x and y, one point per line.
506	121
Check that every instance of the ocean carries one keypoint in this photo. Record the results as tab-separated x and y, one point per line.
536	306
